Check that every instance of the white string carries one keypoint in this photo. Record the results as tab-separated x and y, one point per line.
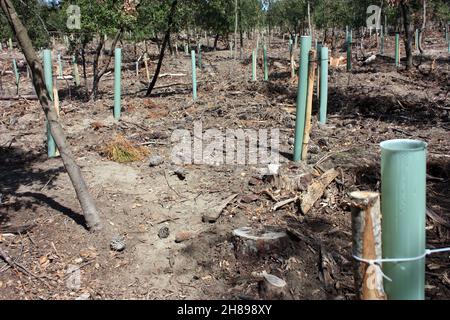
376	262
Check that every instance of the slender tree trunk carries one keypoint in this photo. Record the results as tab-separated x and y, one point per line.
84	197
163	48
235	26
424	26
409	33
98	74
83	60
216	39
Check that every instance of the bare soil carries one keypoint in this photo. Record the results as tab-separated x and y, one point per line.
371	104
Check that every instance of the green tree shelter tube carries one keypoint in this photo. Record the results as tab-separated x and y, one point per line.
16	74
117	82
60	65
323	84
266	68
76	74
416	39
200	65
403	192
254	65
194	76
302	90
48	77
397	50
349	51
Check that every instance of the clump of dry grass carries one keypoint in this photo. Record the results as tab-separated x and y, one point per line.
121	150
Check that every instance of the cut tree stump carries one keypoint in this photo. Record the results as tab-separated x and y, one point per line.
250	242
366	227
316	190
271	287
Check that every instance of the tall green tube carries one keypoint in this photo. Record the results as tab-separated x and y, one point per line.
60	65
48	77
266	68
349	51
403	192
194	76
200	55
253	65
397	50
76	74
416	39
16	73
323	84
117	82
302	90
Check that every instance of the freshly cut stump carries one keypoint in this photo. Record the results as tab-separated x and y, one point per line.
272	288
250	242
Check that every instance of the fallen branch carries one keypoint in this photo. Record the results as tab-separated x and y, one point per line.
27	97
17	229
280	204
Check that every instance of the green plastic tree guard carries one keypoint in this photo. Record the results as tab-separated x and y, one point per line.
194	76
403	192
117	82
323	84
16	73
48	77
416	39
76	74
60	65
302	90
266	68
253	65
397	50
200	55
349	51
346	33
319	51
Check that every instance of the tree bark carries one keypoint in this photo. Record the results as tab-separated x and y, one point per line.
409	33
424	25
366	234
163	48
84	197
99	74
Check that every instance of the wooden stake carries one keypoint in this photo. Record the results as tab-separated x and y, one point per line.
366	227
292	65
311	77
146	66
56	106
